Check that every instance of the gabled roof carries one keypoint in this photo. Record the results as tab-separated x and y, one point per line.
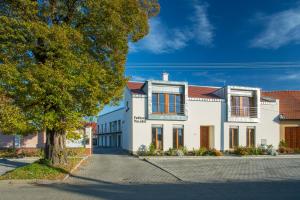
289	103
194	91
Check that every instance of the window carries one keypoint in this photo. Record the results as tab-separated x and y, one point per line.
167	103
233	137
110	127
242	106
178	103
161	106
154	103
17	141
157	137
250	137
178	137
172	103
119	125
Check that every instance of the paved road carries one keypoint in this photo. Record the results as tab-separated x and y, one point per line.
118	176
10	164
237	169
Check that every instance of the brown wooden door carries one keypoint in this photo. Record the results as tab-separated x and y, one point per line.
292	137
204	136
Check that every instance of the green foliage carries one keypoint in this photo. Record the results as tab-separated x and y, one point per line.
64	60
17	153
282	143
200	152
12	119
151	150
184	150
244	151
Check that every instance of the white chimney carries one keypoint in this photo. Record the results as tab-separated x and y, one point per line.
165	76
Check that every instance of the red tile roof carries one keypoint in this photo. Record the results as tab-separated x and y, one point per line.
289	102
203	92
194	91
135	87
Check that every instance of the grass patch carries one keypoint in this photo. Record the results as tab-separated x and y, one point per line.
41	170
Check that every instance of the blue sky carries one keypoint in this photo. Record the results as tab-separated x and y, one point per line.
217	42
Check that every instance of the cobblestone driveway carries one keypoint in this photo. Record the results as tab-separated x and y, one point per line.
110	175
111	165
239	169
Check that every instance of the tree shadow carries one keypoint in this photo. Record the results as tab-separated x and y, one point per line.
12	163
226	190
109	151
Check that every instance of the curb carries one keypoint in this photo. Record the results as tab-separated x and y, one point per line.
43	181
217	157
76	167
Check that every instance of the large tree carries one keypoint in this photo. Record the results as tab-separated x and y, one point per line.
61	60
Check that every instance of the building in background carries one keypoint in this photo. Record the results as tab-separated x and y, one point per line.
289	116
33	142
172	114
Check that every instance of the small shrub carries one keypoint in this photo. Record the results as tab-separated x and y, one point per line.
244	151
171	152
151	150
201	151
215	152
282	143
184	150
286	150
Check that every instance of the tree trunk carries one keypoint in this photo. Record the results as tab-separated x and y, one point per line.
55	148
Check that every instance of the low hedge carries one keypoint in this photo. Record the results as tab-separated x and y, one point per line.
38	152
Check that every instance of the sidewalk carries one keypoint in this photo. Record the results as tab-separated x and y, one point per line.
13	163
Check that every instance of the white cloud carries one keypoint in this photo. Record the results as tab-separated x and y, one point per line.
163	39
289	77
138	78
214	77
281	29
203	29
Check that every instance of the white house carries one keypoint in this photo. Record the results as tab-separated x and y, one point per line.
173	114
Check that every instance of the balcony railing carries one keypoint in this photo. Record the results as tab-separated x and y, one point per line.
168	109
250	112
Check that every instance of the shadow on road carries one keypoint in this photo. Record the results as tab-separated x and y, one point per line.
230	190
109	151
11	163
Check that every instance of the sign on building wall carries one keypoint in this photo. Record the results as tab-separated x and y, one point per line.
139	119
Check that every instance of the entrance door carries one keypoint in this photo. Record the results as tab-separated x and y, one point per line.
204	136
292	137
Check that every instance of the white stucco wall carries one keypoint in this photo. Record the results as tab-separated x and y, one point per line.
110	117
267	127
201	113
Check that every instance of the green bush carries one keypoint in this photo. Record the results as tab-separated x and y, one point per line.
151	150
282	143
184	150
171	152
244	151
202	151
